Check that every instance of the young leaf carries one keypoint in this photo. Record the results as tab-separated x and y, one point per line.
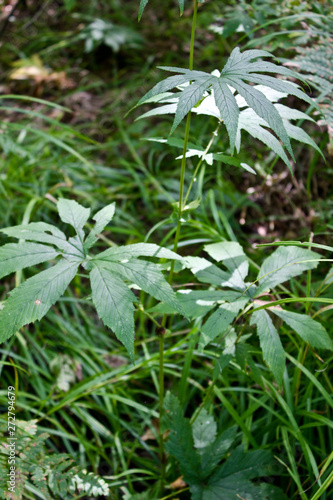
114	304
16	256
34	297
204	429
283	264
137	250
102	218
307	328
270	344
73	213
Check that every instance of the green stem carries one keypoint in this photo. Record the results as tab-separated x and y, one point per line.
209	145
175	247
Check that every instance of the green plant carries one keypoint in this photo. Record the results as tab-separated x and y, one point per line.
38	471
207	351
108	272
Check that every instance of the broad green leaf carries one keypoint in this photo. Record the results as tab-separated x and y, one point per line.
255	126
180	443
219	321
283	264
102	218
231	254
34	297
137	250
204	429
232	481
46	233
73	213
190	96
206	272
114	304
263	108
307	328
270	344
196	303
16	256
165	85
37	231
147	276
212	454
219	89
226	103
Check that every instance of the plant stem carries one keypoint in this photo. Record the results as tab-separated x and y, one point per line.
175	247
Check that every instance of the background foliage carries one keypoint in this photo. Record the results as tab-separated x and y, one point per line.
71	71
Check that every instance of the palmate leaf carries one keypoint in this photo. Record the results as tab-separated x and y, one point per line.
238	70
232	480
111	272
204	429
33	298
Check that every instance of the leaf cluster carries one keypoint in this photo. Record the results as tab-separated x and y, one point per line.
199	450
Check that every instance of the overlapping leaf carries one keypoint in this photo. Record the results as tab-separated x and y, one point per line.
112	272
240	69
199	452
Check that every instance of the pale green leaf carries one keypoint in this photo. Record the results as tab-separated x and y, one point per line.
206	272
255	126
37	231
34	297
283	264
213	453
204	429
137	250
270	343
219	321
196	303
231	254
102	219
263	107
73	213
16	256
114	304
307	328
